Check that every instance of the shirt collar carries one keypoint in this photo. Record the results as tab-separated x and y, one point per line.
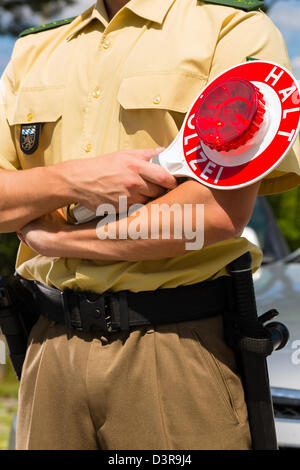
153	10
97	11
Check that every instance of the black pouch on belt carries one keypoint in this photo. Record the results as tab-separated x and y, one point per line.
16	321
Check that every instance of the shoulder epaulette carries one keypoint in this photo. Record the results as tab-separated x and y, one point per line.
247	5
46	27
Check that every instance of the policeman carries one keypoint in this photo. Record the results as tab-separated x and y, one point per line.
128	352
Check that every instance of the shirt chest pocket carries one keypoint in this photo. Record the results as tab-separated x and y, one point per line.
153	107
35	117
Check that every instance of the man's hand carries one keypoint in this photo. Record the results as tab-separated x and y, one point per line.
41	234
26	195
125	173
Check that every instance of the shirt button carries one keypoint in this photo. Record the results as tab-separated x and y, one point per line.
29	117
97	93
157	99
88	148
106	43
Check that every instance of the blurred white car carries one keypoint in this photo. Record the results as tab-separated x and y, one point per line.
277	285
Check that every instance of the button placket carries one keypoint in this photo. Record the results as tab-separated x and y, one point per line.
104	60
92	97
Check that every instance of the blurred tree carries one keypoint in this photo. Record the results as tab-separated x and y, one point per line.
286	207
16	15
8	250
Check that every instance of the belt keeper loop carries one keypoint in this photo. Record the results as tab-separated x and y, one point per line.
64	298
124	314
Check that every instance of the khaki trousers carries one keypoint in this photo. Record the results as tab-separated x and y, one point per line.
170	388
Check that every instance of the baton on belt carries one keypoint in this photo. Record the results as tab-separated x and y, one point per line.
253	342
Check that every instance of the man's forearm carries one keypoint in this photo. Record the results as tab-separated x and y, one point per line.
29	194
83	241
222	220
84	244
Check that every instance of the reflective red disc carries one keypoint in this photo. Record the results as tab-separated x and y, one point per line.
229	114
257	97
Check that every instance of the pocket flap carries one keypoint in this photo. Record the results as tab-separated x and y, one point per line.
174	91
36	105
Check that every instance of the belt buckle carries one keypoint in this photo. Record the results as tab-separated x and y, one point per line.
96	312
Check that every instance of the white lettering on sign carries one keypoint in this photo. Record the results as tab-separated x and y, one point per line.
287	92
208	169
286	111
290	135
193	150
193	163
188	137
219	174
190	125
273	75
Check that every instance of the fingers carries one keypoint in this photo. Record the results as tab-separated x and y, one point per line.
151	172
157	175
146	154
151	190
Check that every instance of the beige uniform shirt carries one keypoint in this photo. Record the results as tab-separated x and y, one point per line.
99	86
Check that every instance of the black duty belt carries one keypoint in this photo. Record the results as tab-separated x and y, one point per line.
114	311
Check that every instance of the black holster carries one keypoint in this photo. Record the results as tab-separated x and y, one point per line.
16	321
253	341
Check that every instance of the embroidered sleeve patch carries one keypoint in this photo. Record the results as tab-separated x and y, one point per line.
30	138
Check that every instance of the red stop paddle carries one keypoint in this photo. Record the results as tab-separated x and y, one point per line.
237	131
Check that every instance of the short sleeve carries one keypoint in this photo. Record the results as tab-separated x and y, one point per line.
253	35
8	155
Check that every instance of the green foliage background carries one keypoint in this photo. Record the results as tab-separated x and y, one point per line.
8	249
286	207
